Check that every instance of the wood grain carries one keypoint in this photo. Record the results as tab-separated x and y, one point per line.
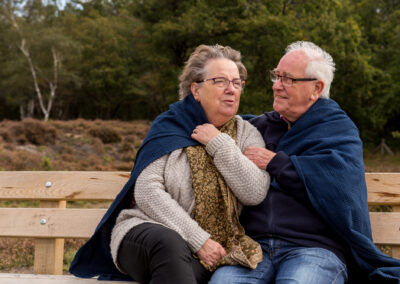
78	185
59	223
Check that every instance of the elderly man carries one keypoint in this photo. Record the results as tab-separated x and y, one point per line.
313	226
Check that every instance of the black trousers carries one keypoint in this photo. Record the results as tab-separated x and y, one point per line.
151	253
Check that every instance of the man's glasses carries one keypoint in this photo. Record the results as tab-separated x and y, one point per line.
222	82
287	81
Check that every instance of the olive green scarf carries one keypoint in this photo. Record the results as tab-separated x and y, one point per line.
216	208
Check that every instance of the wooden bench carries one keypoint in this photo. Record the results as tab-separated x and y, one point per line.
53	221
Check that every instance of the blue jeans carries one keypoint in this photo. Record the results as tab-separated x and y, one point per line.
287	263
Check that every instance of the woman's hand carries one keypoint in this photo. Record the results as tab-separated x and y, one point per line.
205	133
211	252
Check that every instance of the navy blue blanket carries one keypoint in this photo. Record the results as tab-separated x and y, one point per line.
170	131
326	150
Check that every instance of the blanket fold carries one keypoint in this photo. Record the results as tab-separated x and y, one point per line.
325	148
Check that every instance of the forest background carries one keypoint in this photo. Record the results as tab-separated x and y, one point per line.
120	59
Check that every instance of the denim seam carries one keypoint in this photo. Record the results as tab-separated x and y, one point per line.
337	275
277	246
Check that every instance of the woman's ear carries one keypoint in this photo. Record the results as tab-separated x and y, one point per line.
194	88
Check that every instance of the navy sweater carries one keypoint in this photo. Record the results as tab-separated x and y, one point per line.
287	213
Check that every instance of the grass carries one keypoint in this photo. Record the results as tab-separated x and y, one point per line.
87	145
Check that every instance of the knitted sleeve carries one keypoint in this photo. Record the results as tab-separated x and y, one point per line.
249	183
153	199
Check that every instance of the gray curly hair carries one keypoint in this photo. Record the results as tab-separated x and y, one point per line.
195	71
320	65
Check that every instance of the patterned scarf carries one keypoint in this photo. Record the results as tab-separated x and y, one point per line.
216	208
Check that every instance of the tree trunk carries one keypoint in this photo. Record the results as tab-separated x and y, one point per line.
21	112
383	148
31	108
53	85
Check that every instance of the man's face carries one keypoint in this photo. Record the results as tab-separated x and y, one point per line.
293	101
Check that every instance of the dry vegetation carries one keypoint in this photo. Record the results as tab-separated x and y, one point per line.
62	145
70	145
84	145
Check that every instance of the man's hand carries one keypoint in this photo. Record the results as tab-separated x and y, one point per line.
211	252
204	133
259	156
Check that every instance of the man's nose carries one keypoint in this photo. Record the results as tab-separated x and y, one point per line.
277	85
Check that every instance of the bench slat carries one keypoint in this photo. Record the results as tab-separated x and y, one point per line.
12	278
80	223
383	188
60	223
385	227
74	185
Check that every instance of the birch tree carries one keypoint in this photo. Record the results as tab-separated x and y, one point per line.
41	44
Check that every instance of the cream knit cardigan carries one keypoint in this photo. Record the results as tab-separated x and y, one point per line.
164	194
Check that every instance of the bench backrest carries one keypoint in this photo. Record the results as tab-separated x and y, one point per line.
53	222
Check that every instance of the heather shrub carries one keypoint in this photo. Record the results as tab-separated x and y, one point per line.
127	146
3	135
127	157
98	146
106	134
124	166
130	139
20	161
15	133
16	252
38	132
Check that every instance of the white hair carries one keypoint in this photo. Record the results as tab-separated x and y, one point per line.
320	64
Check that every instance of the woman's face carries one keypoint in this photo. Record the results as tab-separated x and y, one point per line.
220	102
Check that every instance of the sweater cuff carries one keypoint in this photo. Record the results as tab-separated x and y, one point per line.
277	163
198	239
217	142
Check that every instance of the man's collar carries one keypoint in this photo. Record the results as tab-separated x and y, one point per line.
289	123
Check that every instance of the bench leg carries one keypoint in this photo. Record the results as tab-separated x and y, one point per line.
49	253
396	252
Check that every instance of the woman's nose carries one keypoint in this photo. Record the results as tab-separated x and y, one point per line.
230	87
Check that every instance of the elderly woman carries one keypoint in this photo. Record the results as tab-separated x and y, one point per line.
190	180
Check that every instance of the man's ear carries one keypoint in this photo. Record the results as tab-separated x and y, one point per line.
318	88
194	88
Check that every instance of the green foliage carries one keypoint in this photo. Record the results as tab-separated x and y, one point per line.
46	164
122	59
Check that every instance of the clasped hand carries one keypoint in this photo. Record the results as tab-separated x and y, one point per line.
205	133
259	156
211	252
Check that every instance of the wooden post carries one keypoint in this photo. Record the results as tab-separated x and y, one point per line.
396	248
49	253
